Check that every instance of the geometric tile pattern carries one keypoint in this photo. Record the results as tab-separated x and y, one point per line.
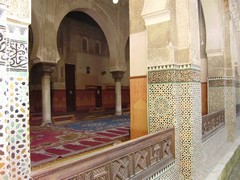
174	98
230	111
216	92
216	98
222	95
166	173
190	130
162	106
18	145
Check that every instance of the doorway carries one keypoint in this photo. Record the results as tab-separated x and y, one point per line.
70	87
98	97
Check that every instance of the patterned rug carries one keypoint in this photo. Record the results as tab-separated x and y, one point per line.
100	123
53	142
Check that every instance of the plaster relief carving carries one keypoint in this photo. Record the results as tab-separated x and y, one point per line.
4	1
19	10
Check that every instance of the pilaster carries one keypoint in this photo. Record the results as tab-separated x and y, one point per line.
174	87
14	109
221	78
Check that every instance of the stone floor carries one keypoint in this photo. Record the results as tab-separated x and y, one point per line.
218	160
235	174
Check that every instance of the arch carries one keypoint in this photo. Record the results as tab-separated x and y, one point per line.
213	11
35	35
45	46
103	20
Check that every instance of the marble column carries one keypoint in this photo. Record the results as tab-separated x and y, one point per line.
46	99
117	76
46	69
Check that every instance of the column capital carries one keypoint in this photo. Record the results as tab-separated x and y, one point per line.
46	67
117	75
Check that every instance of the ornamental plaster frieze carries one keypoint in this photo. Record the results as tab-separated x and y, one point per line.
214	52
221	78
235	14
6	2
174	73
222	82
136	22
174	76
174	66
19	10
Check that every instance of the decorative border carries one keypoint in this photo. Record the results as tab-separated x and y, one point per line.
174	66
162	171
222	82
17	48
174	73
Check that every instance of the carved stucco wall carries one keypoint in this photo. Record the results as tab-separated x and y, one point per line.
138	54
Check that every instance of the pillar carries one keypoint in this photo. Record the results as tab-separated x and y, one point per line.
222	81
14	101
138	72
174	87
230	83
46	68
46	99
117	76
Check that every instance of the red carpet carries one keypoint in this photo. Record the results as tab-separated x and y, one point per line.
52	142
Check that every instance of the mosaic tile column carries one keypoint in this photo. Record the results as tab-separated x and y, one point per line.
117	76
174	87
18	101
222	88
14	113
230	107
175	101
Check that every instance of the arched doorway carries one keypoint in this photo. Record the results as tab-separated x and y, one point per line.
82	71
